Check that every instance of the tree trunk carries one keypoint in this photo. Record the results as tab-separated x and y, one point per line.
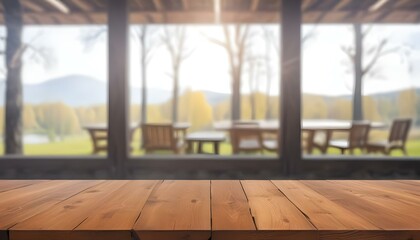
267	99
14	102
144	80
236	96
358	74
175	96
252	90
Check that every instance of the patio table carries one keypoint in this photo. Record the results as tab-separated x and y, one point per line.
207	209
200	138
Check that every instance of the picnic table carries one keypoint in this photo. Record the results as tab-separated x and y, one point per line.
98	133
200	138
204	209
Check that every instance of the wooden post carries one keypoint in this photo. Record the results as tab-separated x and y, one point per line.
290	134
118	87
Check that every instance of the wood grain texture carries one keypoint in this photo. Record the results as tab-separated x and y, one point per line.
323	213
368	209
176	210
22	203
390	205
229	205
61	219
121	209
271	209
203	210
6	185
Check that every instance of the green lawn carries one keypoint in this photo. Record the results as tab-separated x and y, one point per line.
81	145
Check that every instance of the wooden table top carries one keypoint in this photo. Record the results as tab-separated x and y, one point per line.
320	125
206	136
203	210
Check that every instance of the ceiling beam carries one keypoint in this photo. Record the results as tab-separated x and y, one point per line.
82	4
341	4
186	4
307	4
32	6
378	5
59	5
386	12
158	5
254	5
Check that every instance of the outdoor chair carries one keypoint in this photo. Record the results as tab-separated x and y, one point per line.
396	139
158	137
246	138
358	136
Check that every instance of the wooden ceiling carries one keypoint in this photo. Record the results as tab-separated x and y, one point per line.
46	12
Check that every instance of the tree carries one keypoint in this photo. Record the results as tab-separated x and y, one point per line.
15	50
254	68
272	42
175	41
14	102
144	35
356	55
236	44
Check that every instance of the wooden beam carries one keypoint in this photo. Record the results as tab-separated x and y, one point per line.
118	86
59	5
254	5
186	4
341	4
82	5
378	5
158	5
32	6
306	4
202	17
385	12
290	136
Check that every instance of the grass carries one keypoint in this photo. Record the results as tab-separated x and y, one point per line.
81	145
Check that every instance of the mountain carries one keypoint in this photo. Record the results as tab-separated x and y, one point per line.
78	90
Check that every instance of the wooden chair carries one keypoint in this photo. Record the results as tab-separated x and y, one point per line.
161	137
358	137
246	138
99	140
396	139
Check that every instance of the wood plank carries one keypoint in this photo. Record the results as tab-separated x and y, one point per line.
390	203
398	186
230	210
121	209
323	213
384	218
274	215
60	220
19	204
389	189
6	185
176	210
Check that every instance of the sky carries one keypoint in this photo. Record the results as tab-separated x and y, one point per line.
325	68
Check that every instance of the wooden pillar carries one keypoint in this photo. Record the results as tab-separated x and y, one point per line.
290	134
118	86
